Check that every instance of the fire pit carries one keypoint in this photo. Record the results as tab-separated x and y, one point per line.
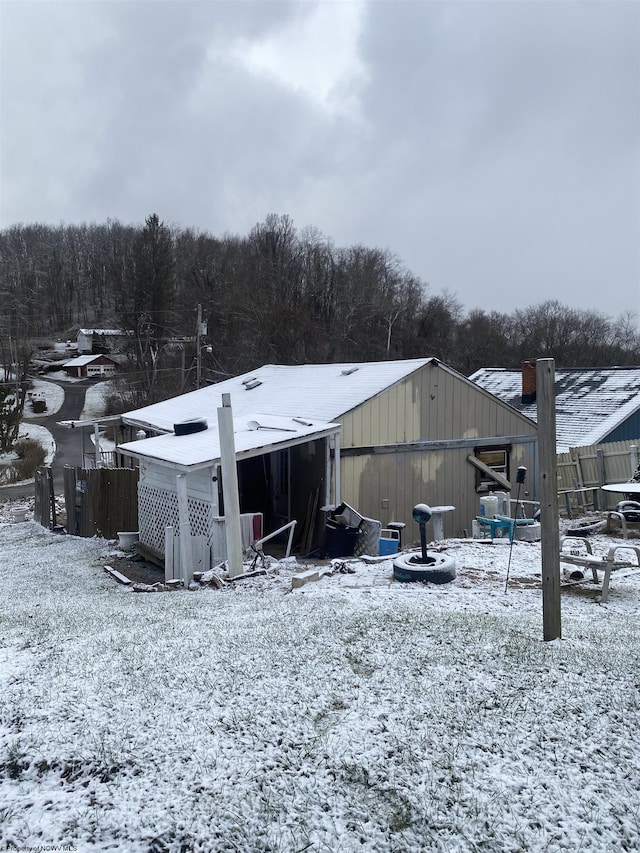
420	566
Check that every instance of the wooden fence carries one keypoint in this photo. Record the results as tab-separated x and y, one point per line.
44	511
101	501
583	470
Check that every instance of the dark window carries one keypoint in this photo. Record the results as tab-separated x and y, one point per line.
495	458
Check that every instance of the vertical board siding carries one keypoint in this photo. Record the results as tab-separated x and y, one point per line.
435	477
579	467
101	501
432	404
384	431
628	431
406	412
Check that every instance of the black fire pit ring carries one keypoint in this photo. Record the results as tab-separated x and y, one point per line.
439	568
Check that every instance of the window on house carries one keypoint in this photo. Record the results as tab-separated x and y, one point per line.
496	459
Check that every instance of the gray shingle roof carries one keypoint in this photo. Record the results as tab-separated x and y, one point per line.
590	402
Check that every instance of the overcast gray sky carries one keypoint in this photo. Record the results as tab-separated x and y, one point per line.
494	147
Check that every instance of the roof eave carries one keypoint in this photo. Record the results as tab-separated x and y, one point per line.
240	454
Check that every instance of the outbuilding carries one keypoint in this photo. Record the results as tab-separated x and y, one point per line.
91	366
380	436
94	341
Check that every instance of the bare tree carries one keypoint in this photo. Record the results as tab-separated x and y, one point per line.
13	390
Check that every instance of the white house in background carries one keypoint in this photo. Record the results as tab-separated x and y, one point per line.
100	340
594	405
381	436
91	366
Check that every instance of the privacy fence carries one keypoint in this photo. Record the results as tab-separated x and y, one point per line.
101	501
583	470
98	501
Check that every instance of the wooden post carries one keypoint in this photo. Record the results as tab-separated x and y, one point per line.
186	559
633	453
96	441
232	529
336	464
168	553
578	463
215	485
601	472
327	471
546	393
52	499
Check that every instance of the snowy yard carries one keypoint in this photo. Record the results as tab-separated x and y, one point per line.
353	714
53	395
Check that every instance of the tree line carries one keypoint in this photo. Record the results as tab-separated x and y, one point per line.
275	295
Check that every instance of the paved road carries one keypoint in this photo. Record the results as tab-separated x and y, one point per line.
68	441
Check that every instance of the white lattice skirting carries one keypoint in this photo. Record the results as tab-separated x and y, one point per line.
158	509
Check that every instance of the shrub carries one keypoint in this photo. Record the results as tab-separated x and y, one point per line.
31	456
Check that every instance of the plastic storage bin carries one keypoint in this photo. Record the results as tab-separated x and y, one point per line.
389	541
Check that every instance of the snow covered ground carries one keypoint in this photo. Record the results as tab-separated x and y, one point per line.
94	402
50	392
356	713
53	395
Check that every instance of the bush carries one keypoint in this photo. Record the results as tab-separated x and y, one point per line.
31	456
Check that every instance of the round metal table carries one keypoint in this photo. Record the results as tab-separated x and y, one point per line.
622	488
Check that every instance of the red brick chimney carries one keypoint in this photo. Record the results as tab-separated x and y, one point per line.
528	381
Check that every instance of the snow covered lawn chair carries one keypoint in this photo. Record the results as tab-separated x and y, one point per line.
607	564
626	513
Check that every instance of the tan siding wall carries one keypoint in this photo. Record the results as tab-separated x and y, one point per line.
387	486
432	405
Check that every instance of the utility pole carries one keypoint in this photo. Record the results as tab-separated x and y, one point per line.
198	353
201	329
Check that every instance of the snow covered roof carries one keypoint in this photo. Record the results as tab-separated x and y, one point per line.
81	360
322	392
105	332
590	402
253	434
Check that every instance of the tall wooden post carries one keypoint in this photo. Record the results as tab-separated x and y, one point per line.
96	440
546	399
186	552
337	470
232	529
